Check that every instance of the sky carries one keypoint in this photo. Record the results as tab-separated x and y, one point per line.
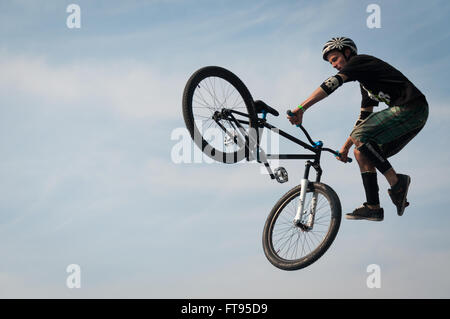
91	118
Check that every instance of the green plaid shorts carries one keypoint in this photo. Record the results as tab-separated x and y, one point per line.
394	127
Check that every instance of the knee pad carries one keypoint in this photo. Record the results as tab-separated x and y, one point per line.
372	151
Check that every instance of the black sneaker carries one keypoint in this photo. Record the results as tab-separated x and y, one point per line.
398	193
364	212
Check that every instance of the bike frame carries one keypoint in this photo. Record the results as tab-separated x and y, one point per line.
313	160
261	157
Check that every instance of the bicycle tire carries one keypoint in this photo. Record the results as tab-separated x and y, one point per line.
273	253
200	80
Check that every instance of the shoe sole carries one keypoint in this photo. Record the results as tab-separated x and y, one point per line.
402	209
353	217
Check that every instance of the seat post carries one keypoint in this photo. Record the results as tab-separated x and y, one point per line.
264	114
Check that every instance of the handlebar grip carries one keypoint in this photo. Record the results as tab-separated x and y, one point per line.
289	112
349	160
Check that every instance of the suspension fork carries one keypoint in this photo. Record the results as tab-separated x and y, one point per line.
305	184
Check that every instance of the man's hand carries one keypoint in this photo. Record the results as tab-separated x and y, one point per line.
297	118
344	154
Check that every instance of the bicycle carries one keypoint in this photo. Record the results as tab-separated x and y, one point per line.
305	221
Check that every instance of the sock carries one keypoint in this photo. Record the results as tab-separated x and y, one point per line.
371	187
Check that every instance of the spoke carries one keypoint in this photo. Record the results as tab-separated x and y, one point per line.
286	239
198	94
303	245
203	106
208	90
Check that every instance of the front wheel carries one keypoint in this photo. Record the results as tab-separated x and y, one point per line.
292	246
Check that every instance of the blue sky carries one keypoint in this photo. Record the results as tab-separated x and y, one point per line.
87	175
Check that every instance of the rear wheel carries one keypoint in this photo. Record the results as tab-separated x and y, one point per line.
219	114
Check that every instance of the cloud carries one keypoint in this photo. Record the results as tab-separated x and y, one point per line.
128	88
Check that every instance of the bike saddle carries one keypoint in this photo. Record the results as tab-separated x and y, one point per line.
260	106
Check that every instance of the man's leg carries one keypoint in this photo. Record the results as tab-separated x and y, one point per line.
369	179
369	153
385	133
371	209
366	165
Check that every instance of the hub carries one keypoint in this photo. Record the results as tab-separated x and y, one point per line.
302	226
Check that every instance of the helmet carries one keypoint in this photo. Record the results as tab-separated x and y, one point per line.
340	44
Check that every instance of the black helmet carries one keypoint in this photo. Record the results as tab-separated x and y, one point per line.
340	44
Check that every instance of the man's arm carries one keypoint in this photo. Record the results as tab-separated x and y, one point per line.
316	96
319	94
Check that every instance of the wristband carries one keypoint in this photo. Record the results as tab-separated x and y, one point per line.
301	108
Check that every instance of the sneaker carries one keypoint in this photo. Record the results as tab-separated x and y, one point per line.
364	212
398	193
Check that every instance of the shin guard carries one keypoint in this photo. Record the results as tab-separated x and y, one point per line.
372	151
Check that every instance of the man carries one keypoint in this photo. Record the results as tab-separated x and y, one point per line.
376	135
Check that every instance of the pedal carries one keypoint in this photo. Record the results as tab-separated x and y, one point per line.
281	175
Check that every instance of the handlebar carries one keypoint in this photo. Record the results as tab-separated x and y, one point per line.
319	143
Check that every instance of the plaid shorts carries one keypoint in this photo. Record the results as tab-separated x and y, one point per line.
394	127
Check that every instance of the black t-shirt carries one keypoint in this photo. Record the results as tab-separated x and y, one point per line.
380	82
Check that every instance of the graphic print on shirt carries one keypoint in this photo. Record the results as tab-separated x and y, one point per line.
380	97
